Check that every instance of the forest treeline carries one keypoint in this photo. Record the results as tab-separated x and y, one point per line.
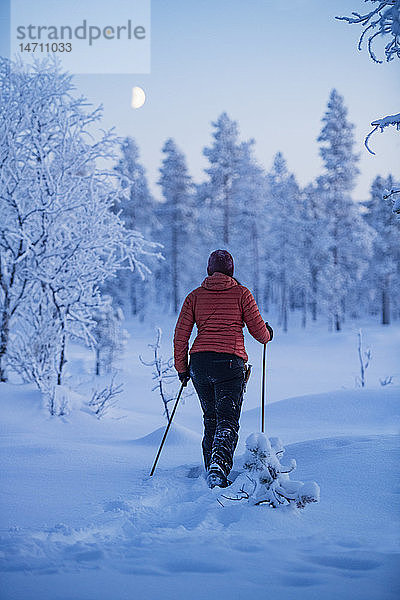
83	241
311	250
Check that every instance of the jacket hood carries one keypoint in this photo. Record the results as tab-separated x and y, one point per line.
218	281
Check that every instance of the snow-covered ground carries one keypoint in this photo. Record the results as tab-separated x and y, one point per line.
81	519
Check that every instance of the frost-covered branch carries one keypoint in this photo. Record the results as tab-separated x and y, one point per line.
382	21
395	201
60	238
381	124
163	372
103	400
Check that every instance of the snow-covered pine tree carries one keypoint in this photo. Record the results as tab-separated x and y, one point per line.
394	195
265	481
383	276
284	223
137	208
314	249
350	238
248	239
59	237
224	156
178	218
109	336
207	217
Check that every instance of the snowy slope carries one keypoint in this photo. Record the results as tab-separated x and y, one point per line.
80	517
84	515
343	412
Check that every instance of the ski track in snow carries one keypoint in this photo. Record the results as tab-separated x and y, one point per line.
172	524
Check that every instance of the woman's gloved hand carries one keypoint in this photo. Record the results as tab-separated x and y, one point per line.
270	330
184	377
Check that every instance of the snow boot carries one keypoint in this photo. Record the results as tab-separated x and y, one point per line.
216	477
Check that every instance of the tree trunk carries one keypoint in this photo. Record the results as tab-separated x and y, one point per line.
314	293
256	263
4	336
335	263
133	296
385	304
175	298
304	315
284	308
285	318
266	295
226	210
97	368
62	360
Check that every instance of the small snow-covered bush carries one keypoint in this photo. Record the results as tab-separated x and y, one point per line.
105	399
266	481
36	348
163	373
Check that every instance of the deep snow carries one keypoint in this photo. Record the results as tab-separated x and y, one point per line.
81	518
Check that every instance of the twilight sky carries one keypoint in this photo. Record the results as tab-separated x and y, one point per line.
270	65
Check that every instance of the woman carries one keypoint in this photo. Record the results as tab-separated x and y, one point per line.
220	307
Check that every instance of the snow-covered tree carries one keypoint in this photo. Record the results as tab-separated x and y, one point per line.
350	238
137	208
384	268
224	156
248	237
394	195
382	21
109	336
35	344
177	216
283	262
314	248
59	237
265	481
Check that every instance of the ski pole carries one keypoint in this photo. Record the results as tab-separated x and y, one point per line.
263	389
167	429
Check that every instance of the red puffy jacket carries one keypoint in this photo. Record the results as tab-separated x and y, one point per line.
220	308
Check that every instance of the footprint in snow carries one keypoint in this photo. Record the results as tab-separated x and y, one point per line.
346	562
116	506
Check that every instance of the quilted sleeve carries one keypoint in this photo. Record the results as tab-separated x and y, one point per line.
253	319
183	329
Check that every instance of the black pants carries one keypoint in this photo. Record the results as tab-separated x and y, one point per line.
219	382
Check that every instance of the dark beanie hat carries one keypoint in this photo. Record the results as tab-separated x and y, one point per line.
221	261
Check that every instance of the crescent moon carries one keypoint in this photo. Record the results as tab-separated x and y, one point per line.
138	97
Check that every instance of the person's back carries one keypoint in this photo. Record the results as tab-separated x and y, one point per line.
220	308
